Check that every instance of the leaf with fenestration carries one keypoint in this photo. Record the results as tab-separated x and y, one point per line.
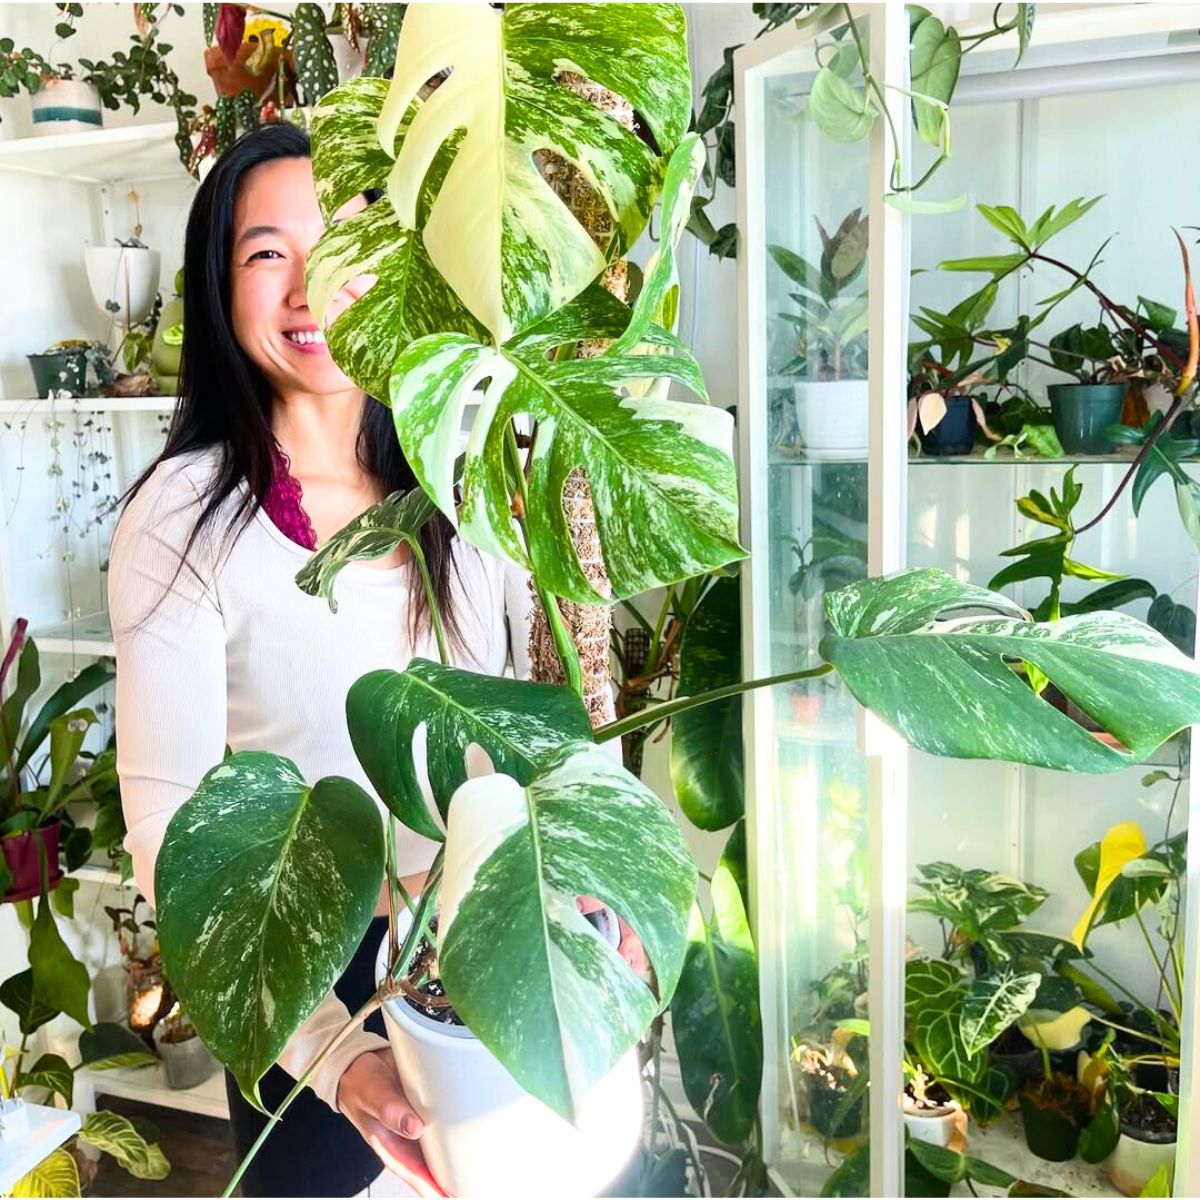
499	235
951	688
994	1002
521	726
117	1135
373	534
706	742
54	1178
715	1018
530	977
255	855
658	466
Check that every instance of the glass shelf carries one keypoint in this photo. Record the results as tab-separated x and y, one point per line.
965	460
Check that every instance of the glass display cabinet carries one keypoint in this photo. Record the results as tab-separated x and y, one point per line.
868	857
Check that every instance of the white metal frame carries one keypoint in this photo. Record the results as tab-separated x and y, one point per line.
774	54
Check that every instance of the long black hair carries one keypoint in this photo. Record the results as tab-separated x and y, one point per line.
225	402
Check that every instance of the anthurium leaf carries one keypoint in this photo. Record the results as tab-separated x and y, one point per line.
108	1046
51	1071
951	1167
852	1176
660	466
950	688
371	535
502	239
530	977
409	299
17	994
930	984
255	855
60	980
56	1176
940	1048
842	111
994	1002
64	699
715	1015
1122	844
116	1135
996	264
706	742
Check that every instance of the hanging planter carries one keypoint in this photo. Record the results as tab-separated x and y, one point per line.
484	1134
123	280
22	857
65	106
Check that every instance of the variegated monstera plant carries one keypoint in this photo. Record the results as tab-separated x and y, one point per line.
486	284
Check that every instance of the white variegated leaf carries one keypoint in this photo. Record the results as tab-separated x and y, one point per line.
498	234
264	887
522	966
952	687
661	471
993	1003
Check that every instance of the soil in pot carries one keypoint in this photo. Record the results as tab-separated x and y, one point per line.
1054	1112
934	1116
422	988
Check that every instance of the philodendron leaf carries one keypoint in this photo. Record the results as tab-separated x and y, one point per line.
715	1017
17	994
60	980
116	1135
532	979
57	1175
520	726
844	112
1121	845
950	687
499	235
408	299
108	1046
255	856
52	1072
935	58
1055	1019
993	1003
706	742
660	467
371	535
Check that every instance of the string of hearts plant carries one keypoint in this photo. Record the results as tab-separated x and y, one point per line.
484	283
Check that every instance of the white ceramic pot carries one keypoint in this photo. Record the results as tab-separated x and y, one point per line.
1130	1166
14	1120
126	276
65	106
832	417
487	1137
110	994
350	62
939	1126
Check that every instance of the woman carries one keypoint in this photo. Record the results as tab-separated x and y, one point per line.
271	451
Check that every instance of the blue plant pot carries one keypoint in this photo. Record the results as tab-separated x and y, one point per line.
955	432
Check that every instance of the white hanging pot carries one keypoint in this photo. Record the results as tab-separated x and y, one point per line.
484	1135
350	62
832	417
125	276
65	106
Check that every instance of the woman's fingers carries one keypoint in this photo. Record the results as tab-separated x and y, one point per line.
402	1157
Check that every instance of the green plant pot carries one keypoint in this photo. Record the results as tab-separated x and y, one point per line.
62	371
1083	411
1049	1134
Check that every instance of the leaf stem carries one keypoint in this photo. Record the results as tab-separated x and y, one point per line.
435	616
670	708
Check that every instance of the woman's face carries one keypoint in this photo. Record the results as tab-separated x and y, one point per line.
276	222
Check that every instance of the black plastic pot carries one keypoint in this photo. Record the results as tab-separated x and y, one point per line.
955	432
1022	1064
1050	1134
1082	412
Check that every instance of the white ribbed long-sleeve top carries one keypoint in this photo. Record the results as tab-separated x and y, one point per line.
227	650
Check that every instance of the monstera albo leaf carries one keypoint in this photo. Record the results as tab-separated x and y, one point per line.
252	859
532	979
952	687
497	233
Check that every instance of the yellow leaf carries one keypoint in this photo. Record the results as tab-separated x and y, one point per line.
53	1177
1121	844
1060	1033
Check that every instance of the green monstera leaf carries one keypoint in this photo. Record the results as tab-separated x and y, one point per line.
661	467
253	857
520	726
706	742
951	687
408	298
715	1016
555	1003
497	233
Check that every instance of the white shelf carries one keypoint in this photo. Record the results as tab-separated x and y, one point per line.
89	404
134	152
48	1129
89	635
148	1085
102	875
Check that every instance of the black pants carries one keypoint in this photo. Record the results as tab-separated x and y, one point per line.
313	1151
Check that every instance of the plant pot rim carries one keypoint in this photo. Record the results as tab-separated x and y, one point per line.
1123	385
423	1028
950	1109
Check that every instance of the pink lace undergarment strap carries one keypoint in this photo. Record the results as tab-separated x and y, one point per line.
284	503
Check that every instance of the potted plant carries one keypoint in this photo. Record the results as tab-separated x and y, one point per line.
187	1061
123	279
1084	409
829	367
537	987
71	367
35	829
167	349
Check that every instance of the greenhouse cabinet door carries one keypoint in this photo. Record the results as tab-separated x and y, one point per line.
821	295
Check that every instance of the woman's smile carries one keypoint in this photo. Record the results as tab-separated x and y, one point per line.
307	339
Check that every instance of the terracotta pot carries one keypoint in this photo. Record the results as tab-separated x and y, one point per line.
22	859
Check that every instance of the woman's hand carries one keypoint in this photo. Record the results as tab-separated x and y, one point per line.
371	1097
631	948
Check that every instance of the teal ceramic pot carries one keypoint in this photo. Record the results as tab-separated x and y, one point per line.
1083	411
64	371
